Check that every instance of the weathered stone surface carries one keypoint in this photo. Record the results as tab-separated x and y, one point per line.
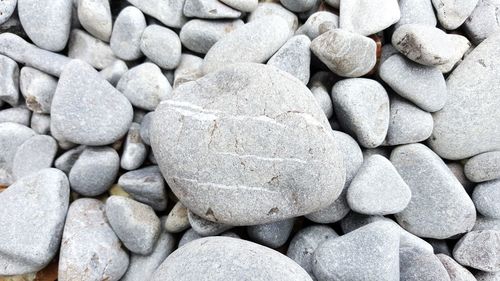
479	249
487	276
127	32
189	69
35	154
483	21
66	161
461	48
452	13
177	220
200	35
318	23
20	115
485	197
294	57
40	123
9	81
146	185
113	72
168	12
93	51
418	265
205	227
298	5
134	150
38	88
368	16
455	271
483	167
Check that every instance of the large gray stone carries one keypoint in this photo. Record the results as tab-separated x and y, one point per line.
95	17
162	46
483	167
167	12
479	250
233	174
368	16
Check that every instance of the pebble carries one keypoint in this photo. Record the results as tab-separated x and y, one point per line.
7	8
453	13
485	197
294	57
423	85
265	9
305	242
321	93
483	21
298	6
145	86
46	22
205	227
167	12
177	220
145	125
95	171
423	44
242	5
209	9
114	72
40	123
407	123
461	47
134	151
90	250
272	235
199	35
89	49
66	161
378	189
368	16
127	32
255	41
210	180
162	46
483	167
136	224
9	81
458	170
146	185
12	136
418	265
234	259
318	23
38	88
439	207
368	253
86	109
95	17
471	100
455	271
35	154
478	249
485	223
20	115
344	53
28	243
419	12
362	107
189	69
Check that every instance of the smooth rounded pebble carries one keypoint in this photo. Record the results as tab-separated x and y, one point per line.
35	154
318	23
483	21
95	171
161	45
235	259
127	32
420	12
479	250
177	220
9	81
93	51
38	88
146	185
298	6
485	197
12	136
418	265
33	213
88	242
362	107
46	22
167	12
272	235
134	150
7	8
95	17
483	167
455	271
255	41
136	224
205	227
294	57
209	9
86	109
344	53
199	35
439	207
265	9
368	16
20	115
242	5
453	13
270	178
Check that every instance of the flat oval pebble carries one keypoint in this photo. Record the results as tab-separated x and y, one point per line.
161	45
272	235
368	16
209	9
479	250
127	32
231	162
485	197
483	167
294	57
95	17
20	115
235	259
199	35
298	5
35	154
134	150
146	185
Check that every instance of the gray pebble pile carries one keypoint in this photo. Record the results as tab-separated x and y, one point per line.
263	140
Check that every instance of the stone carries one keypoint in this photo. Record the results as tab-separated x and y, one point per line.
146	185
162	46
230	161
209	9
483	21
199	35
368	16
136	224
455	270
95	17
7	8
439	207
46	22
318	23
38	88
321	93
471	101
368	253
20	115
205	227
167	12
485	198
66	161
353	159
423	85
305	242
145	125
407	123
294	57
89	242
145	86
387	51
86	109
478	249
298	6
177	220
485	223
362	108
95	171
114	72
462	46
91	50
265	9
487	276
9	81
242	5
189	69
127	32
419	12
28	243
40	123
235	259
458	170
452	13
483	167
12	136
378	189
35	154
424	44
255	41
134	151
418	265
344	53
272	235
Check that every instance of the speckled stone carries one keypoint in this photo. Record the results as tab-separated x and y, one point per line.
485	223
485	197
199	35
177	220
146	185
455	271
95	17
453	13
38	88
272	235
420	12
478	249
318	23
418	265
93	51
209	9
20	115
167	12
205	227
294	57
7	8
483	21
368	16
35	154
161	45
12	136
127	32
483	167
9	81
